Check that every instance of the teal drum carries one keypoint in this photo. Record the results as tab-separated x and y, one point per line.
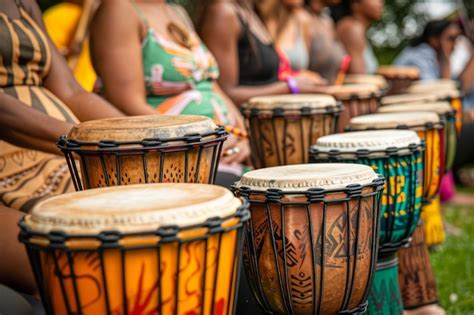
384	294
398	156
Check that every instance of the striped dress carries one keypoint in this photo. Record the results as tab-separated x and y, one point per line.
27	176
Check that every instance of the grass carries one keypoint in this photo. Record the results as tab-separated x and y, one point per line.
454	263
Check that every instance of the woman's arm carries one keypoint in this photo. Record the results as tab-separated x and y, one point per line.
352	36
61	82
467	75
117	56
27	127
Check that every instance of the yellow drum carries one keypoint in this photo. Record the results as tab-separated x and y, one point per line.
429	128
399	78
374	79
140	249
143	149
358	99
283	127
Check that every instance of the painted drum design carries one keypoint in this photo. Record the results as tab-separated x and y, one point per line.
311	242
143	149
141	249
282	127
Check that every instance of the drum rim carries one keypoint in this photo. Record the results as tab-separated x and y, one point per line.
334	155
58	239
448	112
396	72
343	95
258	103
428	125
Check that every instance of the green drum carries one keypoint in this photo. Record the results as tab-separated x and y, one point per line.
384	294
445	112
395	154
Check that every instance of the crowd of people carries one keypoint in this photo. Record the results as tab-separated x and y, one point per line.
149	57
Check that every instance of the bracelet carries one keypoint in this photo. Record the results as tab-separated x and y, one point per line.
292	85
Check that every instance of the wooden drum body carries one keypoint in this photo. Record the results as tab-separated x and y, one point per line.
358	99
143	149
311	243
282	128
142	249
399	78
429	128
374	79
395	154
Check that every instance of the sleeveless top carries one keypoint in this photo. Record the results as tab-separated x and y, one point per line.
27	176
166	63
258	62
298	55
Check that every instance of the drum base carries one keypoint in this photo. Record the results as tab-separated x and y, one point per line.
384	294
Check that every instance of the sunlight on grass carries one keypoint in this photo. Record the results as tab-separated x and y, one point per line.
454	263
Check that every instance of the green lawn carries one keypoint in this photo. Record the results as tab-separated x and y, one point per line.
454	263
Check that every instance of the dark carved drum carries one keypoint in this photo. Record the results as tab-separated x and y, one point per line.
140	249
311	244
399	78
143	149
282	128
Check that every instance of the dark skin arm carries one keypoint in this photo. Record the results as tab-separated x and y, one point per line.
352	36
467	75
120	66
15	270
36	131
61	82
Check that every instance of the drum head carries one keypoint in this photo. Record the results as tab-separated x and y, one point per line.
134	208
137	128
408	98
302	177
377	80
348	91
392	120
424	86
373	140
399	72
441	108
290	102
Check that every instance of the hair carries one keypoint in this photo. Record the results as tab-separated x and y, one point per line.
341	10
432	29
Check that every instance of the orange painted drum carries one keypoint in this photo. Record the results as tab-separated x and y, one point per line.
428	127
283	127
143	149
311	245
358	99
140	249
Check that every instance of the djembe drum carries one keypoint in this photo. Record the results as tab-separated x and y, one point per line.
397	155
311	242
373	79
283	127
140	249
428	127
399	78
432	214
358	99
143	149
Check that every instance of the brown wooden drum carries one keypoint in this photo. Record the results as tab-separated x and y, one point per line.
374	79
143	149
399	78
140	249
311	243
283	127
358	99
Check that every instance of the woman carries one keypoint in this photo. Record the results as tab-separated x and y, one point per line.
39	101
353	19
167	68
245	53
326	53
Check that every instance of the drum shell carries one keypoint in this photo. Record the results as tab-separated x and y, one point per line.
192	159
124	273
415	274
384	294
283	137
279	257
402	195
357	106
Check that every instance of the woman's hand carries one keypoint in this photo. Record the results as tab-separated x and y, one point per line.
236	150
310	82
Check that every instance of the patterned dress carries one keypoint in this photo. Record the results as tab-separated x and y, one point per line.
27	176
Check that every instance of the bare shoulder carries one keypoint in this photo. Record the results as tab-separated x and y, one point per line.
350	28
223	15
